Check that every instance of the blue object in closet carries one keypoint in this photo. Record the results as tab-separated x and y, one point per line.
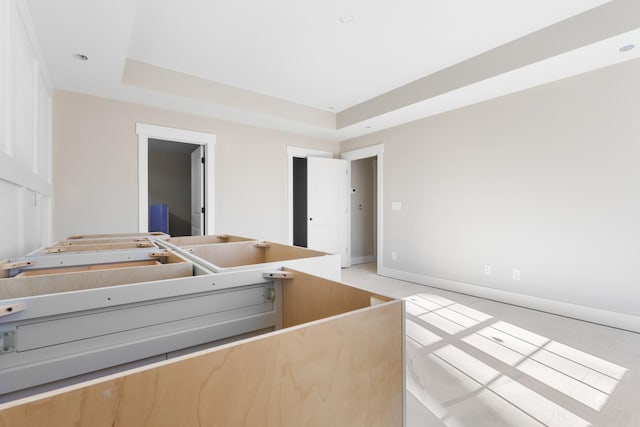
159	218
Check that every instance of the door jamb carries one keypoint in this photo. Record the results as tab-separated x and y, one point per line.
302	153
208	140
363	153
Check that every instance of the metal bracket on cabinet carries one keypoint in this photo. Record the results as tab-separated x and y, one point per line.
277	275
7	340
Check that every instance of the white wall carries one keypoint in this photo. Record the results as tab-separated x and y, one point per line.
546	181
25	136
96	168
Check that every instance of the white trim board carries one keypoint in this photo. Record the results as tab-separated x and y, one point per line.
589	314
364	153
19	174
302	153
208	140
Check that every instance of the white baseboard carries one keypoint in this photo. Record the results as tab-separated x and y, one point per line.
363	259
580	312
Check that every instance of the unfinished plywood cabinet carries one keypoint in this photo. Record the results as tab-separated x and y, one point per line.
153	234
233	253
298	349
206	240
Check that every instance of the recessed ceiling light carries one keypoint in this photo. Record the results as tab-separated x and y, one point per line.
627	48
346	19
80	57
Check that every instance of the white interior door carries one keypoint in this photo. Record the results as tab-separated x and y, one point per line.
197	192
328	222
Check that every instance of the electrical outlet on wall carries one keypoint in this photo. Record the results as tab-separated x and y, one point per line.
394	255
487	269
515	274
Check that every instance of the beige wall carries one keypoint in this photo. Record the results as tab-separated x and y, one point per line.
95	168
546	181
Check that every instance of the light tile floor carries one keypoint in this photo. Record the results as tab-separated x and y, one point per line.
476	362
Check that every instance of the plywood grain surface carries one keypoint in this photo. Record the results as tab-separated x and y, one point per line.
18	287
342	371
99	241
91	267
307	298
110	246
231	254
205	240
277	252
156	234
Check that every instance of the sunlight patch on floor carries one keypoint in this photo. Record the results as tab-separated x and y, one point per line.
438	324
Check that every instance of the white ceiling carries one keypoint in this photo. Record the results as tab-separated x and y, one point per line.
300	52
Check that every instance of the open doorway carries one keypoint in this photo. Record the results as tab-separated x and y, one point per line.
300	202
368	175
170	188
202	162
363	210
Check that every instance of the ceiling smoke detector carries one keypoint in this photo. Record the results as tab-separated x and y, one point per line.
346	19
627	48
80	57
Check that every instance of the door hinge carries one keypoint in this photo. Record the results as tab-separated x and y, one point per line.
202	160
202	209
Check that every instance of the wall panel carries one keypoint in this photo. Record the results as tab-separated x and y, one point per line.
44	131
9	217
31	220
25	137
24	78
4	83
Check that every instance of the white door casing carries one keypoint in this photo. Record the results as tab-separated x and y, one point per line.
207	140
328	206
197	191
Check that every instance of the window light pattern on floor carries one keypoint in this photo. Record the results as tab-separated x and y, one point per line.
522	378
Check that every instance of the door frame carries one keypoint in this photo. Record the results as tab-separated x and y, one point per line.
364	153
208	140
302	153
197	170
